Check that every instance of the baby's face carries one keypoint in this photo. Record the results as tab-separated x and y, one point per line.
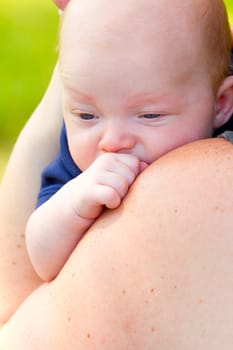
133	80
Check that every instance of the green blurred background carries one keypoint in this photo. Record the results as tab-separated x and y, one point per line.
28	42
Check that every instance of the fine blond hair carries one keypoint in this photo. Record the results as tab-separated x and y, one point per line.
217	40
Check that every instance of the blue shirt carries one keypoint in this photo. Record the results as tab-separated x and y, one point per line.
59	172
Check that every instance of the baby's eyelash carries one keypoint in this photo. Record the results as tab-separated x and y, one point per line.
90	116
151	116
87	116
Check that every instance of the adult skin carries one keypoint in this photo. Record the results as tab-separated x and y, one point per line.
23	172
35	147
18	271
135	282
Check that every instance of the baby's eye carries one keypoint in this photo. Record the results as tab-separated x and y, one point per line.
151	116
87	116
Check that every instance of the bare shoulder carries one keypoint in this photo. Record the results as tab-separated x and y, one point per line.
157	266
192	168
154	273
210	150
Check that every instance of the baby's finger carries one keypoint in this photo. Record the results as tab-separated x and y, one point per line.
106	195
142	166
117	182
129	160
124	165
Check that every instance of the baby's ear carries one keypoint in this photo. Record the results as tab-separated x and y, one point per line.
224	103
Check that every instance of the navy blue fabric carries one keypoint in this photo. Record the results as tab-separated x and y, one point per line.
63	169
59	172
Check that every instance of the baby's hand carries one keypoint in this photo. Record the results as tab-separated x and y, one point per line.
104	183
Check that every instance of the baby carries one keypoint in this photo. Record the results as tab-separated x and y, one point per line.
140	78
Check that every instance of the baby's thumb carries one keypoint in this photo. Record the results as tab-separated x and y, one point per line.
142	166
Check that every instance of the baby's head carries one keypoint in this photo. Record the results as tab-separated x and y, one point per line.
159	63
216	41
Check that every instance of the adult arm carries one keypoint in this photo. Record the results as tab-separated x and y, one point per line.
154	273
36	146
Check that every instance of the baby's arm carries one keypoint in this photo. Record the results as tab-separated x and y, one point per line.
56	227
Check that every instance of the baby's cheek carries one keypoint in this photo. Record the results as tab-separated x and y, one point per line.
83	159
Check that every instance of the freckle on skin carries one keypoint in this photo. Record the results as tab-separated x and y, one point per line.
73	274
13	263
69	319
219	209
152	290
22	236
123	292
203	332
18	245
88	335
152	329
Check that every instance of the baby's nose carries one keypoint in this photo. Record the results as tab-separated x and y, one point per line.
116	139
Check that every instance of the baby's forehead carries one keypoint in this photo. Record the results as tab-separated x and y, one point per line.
128	17
167	30
162	26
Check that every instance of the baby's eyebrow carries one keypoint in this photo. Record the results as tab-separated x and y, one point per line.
148	98
70	84
75	92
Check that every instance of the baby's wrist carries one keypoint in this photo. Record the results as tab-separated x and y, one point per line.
88	211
